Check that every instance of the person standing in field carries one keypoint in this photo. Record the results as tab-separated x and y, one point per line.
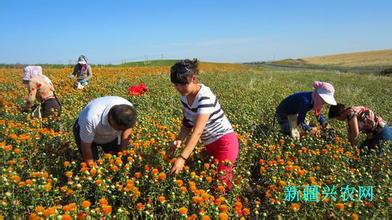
41	88
83	73
362	119
203	118
292	111
106	122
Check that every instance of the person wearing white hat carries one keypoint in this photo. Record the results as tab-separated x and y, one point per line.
82	71
292	111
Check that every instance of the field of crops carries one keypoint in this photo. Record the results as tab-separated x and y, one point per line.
42	175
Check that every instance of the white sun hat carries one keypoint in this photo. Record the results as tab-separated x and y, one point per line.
327	95
82	60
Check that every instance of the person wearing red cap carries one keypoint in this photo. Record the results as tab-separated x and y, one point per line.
292	111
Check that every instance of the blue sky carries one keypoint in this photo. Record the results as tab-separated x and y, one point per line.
54	31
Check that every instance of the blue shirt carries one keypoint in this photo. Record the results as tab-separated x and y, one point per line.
298	103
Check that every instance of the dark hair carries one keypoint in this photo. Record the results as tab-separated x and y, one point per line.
336	110
182	71
123	115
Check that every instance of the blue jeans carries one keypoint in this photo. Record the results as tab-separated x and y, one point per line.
384	135
83	82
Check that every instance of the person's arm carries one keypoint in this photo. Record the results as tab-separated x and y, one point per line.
301	119
31	96
353	130
184	132
89	73
87	153
201	122
321	119
125	138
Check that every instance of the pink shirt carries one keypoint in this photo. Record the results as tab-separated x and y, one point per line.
41	87
367	120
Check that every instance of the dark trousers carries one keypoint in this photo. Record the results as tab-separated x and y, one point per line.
50	107
112	147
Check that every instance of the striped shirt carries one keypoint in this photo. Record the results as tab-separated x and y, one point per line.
206	103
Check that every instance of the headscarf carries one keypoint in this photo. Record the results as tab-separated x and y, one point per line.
30	71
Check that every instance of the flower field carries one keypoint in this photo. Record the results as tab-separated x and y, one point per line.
42	175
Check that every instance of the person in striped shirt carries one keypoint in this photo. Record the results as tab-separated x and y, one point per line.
203	118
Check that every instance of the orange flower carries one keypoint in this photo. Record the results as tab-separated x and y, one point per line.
67	163
205	217
221	188
192	217
103	202
161	199
282	183
183	211
162	176
154	171
223	208
183	189
223	216
115	168
139	206
68	174
50	211
66	217
219	200
354	216
138	175
197	199
47	187
81	216
29	182
17	151
106	209
39	209
86	204
340	206
295	207
246	211
98	182
15	178
179	182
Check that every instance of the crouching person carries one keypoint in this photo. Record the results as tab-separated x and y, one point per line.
105	122
40	88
